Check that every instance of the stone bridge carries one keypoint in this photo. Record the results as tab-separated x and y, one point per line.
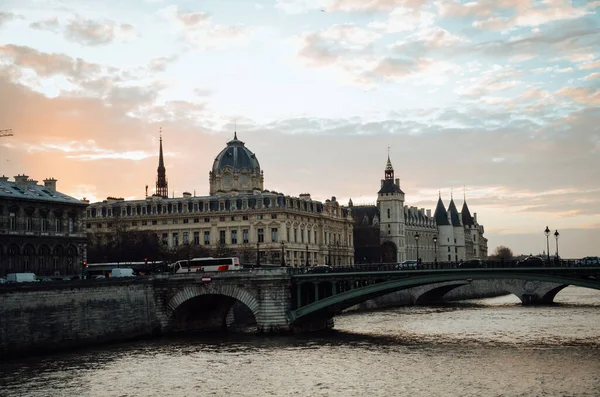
287	299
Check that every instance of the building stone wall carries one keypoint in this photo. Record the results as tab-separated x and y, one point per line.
48	317
41	230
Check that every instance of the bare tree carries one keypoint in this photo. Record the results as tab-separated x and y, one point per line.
502	253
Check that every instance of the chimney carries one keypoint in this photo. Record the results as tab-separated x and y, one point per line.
50	184
382	182
398	182
3	178
428	213
21	181
475	217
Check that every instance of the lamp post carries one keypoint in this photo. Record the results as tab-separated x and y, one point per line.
547	233
257	253
417	241
556	234
306	255
435	248
282	255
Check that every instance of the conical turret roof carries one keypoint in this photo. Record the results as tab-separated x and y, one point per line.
440	215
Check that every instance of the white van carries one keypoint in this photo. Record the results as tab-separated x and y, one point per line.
122	272
20	278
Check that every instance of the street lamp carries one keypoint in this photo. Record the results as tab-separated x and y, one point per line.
417	240
306	255
547	233
556	234
282	255
257	253
435	247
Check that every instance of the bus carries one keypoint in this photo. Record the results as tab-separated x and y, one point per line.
206	265
97	270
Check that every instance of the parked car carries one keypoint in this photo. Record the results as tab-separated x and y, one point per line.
409	264
471	264
21	278
589	261
531	261
320	269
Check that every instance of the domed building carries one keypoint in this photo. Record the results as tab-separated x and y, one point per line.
239	214
235	170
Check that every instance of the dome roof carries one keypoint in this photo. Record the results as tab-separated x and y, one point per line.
237	157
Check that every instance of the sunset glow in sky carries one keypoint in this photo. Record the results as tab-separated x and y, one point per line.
495	100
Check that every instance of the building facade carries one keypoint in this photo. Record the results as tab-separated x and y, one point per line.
41	230
391	231
238	214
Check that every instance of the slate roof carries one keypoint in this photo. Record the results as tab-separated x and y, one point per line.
236	156
389	187
35	192
440	215
360	213
453	213
467	219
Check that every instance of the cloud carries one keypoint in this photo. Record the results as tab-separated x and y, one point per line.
160	64
49	24
532	16
48	64
583	95
97	33
478	9
329	45
373	5
590	65
199	30
7	16
192	19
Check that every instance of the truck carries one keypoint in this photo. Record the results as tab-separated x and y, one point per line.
20	278
122	272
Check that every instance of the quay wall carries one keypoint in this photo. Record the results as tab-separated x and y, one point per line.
36	318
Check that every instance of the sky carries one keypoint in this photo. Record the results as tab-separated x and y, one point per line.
495	101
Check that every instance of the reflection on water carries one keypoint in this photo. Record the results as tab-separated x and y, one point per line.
492	347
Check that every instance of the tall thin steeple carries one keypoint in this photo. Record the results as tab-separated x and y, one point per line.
389	170
162	186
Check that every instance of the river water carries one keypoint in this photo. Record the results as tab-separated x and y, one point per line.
491	347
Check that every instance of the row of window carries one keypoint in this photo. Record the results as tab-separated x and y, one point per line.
44	224
207	206
233	237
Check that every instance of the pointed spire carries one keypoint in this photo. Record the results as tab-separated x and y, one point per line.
389	170
453	211
465	214
162	187
235	135
161	161
440	215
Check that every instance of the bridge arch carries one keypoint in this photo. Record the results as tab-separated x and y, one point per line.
207	307
528	289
